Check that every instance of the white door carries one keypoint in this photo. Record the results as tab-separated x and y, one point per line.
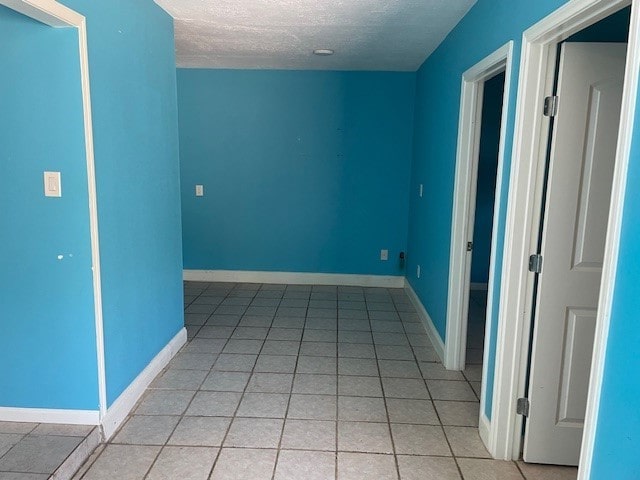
590	80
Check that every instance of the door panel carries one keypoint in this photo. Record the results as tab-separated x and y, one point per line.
597	175
582	155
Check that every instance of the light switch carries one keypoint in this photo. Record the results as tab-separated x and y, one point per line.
384	254
52	184
199	190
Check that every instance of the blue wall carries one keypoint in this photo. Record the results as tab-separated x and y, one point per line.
618	431
133	82
487	169
303	171
47	335
488	25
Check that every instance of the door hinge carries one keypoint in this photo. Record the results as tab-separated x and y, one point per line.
522	407
535	263
550	106
469	246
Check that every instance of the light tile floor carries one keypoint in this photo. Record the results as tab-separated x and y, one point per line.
32	451
307	383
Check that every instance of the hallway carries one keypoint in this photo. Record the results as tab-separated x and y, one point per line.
301	382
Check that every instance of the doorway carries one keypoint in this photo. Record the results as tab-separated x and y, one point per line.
532	205
482	226
495	72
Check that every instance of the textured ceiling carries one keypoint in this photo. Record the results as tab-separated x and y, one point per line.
394	35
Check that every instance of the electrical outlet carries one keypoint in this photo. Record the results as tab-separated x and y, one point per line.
418	271
199	190
384	255
421	190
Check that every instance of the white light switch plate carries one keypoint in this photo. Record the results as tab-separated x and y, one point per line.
52	184
384	254
199	191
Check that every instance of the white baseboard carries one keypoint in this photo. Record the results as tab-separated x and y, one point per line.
433	334
117	413
295	278
479	286
50	415
485	431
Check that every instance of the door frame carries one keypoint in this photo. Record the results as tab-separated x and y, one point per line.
56	15
530	139
466	174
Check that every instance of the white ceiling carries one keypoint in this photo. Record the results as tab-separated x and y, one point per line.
394	35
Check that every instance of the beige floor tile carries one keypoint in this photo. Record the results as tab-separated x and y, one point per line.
411	411
185	463
315	384
147	430
407	388
462	414
309	435
165	402
366	466
297	465
420	440
361	409
214	404
200	431
364	437
270	405
312	407
270	383
466	442
254	433
359	386
124	462
477	469
244	464
427	468
533	471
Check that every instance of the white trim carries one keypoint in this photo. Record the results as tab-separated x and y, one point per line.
295	278
50	415
612	248
464	196
484	427
48	12
117	413
55	14
479	286
429	326
538	53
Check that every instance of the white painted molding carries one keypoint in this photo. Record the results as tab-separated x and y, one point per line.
484	427
295	278
117	413
432	332
48	12
48	415
525	191
54	14
462	222
479	286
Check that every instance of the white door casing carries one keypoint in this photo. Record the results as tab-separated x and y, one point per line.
582	160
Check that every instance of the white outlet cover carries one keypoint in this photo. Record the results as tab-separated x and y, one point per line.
384	254
52	184
199	190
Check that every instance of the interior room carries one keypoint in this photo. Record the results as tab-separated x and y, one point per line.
319	240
